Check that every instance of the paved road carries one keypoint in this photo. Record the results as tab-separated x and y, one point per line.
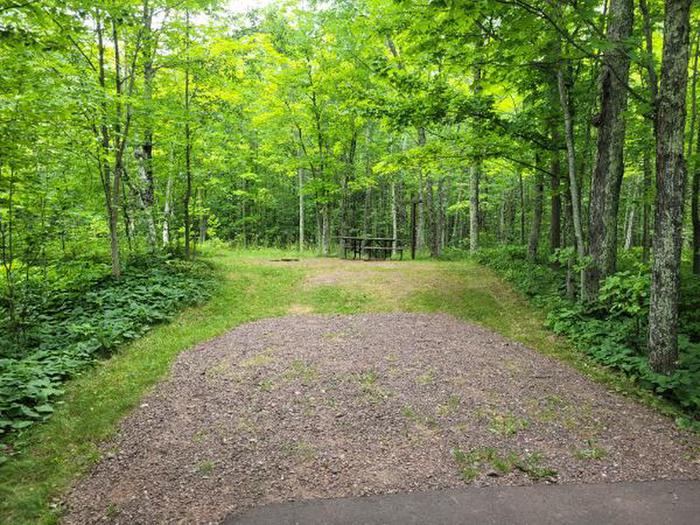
638	503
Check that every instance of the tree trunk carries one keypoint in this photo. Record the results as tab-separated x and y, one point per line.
670	181
118	166
629	237
695	212
188	144
534	241
167	211
203	217
693	100
145	152
300	178
502	220
695	191
609	166
366	211
521	188
646	205
474	174
571	163
420	227
325	230
394	219
555	169
319	230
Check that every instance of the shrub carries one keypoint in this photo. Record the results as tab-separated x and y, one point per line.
613	329
61	328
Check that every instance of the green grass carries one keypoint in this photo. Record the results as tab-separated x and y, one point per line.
471	464
59	451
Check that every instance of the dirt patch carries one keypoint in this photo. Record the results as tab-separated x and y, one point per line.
330	406
341	272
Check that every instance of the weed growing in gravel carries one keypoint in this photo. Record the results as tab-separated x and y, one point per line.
461	427
427	378
334	336
369	387
205	467
532	466
507	425
261	359
409	413
592	450
301	370
418	419
217	370
112	511
450	407
476	461
199	436
546	409
266	385
300	449
471	463
367	379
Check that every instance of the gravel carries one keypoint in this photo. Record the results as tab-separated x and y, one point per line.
309	406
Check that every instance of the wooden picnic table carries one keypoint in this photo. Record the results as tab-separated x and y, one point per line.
371	247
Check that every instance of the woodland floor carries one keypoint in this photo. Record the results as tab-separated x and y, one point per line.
307	406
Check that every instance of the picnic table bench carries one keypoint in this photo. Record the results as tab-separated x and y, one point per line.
369	248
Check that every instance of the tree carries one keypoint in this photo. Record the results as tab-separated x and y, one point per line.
609	166
670	182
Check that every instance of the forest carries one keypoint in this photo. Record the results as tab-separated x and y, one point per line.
557	143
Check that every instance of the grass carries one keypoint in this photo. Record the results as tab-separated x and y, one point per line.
507	425
205	467
252	287
592	450
471	464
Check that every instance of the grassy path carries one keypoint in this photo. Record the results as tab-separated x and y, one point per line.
255	286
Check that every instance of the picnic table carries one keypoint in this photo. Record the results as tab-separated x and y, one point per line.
370	247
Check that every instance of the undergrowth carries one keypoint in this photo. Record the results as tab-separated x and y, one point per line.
613	329
61	327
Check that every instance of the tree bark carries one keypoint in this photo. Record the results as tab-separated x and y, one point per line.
325	230
695	214
203	216
629	219
670	181
145	155
394	219
695	191
646	205
117	168
695	211
693	99
188	143
571	163
555	169
609	166
300	179
475	176
534	240
420	227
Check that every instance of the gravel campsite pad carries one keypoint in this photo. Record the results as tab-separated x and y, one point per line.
308	406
